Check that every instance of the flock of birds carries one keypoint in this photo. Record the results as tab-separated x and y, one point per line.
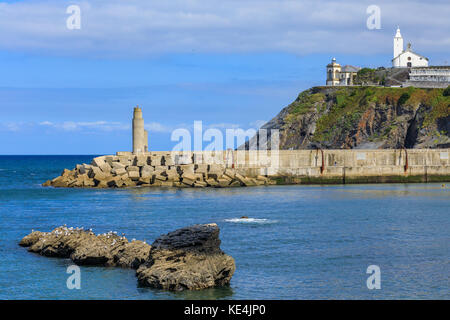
65	231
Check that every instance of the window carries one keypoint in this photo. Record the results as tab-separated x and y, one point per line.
409	64
409	58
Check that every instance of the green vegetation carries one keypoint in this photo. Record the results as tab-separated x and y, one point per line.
446	92
367	76
306	102
403	98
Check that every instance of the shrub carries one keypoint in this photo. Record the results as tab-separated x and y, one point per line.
403	98
446	92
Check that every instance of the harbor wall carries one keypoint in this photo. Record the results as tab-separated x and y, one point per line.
325	166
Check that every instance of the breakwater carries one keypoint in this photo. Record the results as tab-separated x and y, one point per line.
235	168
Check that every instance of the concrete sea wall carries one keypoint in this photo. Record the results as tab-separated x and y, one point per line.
250	168
329	166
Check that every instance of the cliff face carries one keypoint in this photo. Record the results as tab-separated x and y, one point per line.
364	118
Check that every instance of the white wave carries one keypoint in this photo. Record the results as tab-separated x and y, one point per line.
250	220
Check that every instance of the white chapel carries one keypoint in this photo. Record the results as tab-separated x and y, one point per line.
406	58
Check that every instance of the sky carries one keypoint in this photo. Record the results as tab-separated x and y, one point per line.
228	63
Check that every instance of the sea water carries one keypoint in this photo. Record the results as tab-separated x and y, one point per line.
299	242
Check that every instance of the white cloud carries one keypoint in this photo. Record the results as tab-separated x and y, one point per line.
223	125
143	27
12	126
157	127
93	125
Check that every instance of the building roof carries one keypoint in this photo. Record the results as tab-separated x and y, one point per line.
408	49
348	68
431	67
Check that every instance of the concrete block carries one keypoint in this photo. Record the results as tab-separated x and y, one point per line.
189	176
144	181
168	161
172	171
93	170
212	182
200	184
160	177
98	161
102	184
181	159
119	172
216	168
213	176
111	159
133	175
156	183
125	160
133	168
161	168
106	168
199	176
223	182
187	168
187	181
173	178
129	183
235	183
117	165
147	171
230	173
140	161
156	160
201	168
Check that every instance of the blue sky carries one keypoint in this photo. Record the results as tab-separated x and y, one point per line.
226	63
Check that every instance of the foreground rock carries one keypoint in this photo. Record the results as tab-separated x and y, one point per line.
151	171
86	248
189	258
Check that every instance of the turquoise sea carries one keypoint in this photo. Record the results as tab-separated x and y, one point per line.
302	242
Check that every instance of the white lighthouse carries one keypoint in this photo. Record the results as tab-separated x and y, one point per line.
398	43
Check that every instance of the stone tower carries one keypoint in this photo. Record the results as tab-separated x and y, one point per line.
398	43
140	135
333	71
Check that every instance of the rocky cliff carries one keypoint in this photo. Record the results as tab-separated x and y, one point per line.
364	118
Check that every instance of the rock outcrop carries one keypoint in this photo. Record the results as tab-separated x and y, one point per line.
86	248
151	171
362	118
187	259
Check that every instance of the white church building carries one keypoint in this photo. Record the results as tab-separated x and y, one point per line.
419	74
406	58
